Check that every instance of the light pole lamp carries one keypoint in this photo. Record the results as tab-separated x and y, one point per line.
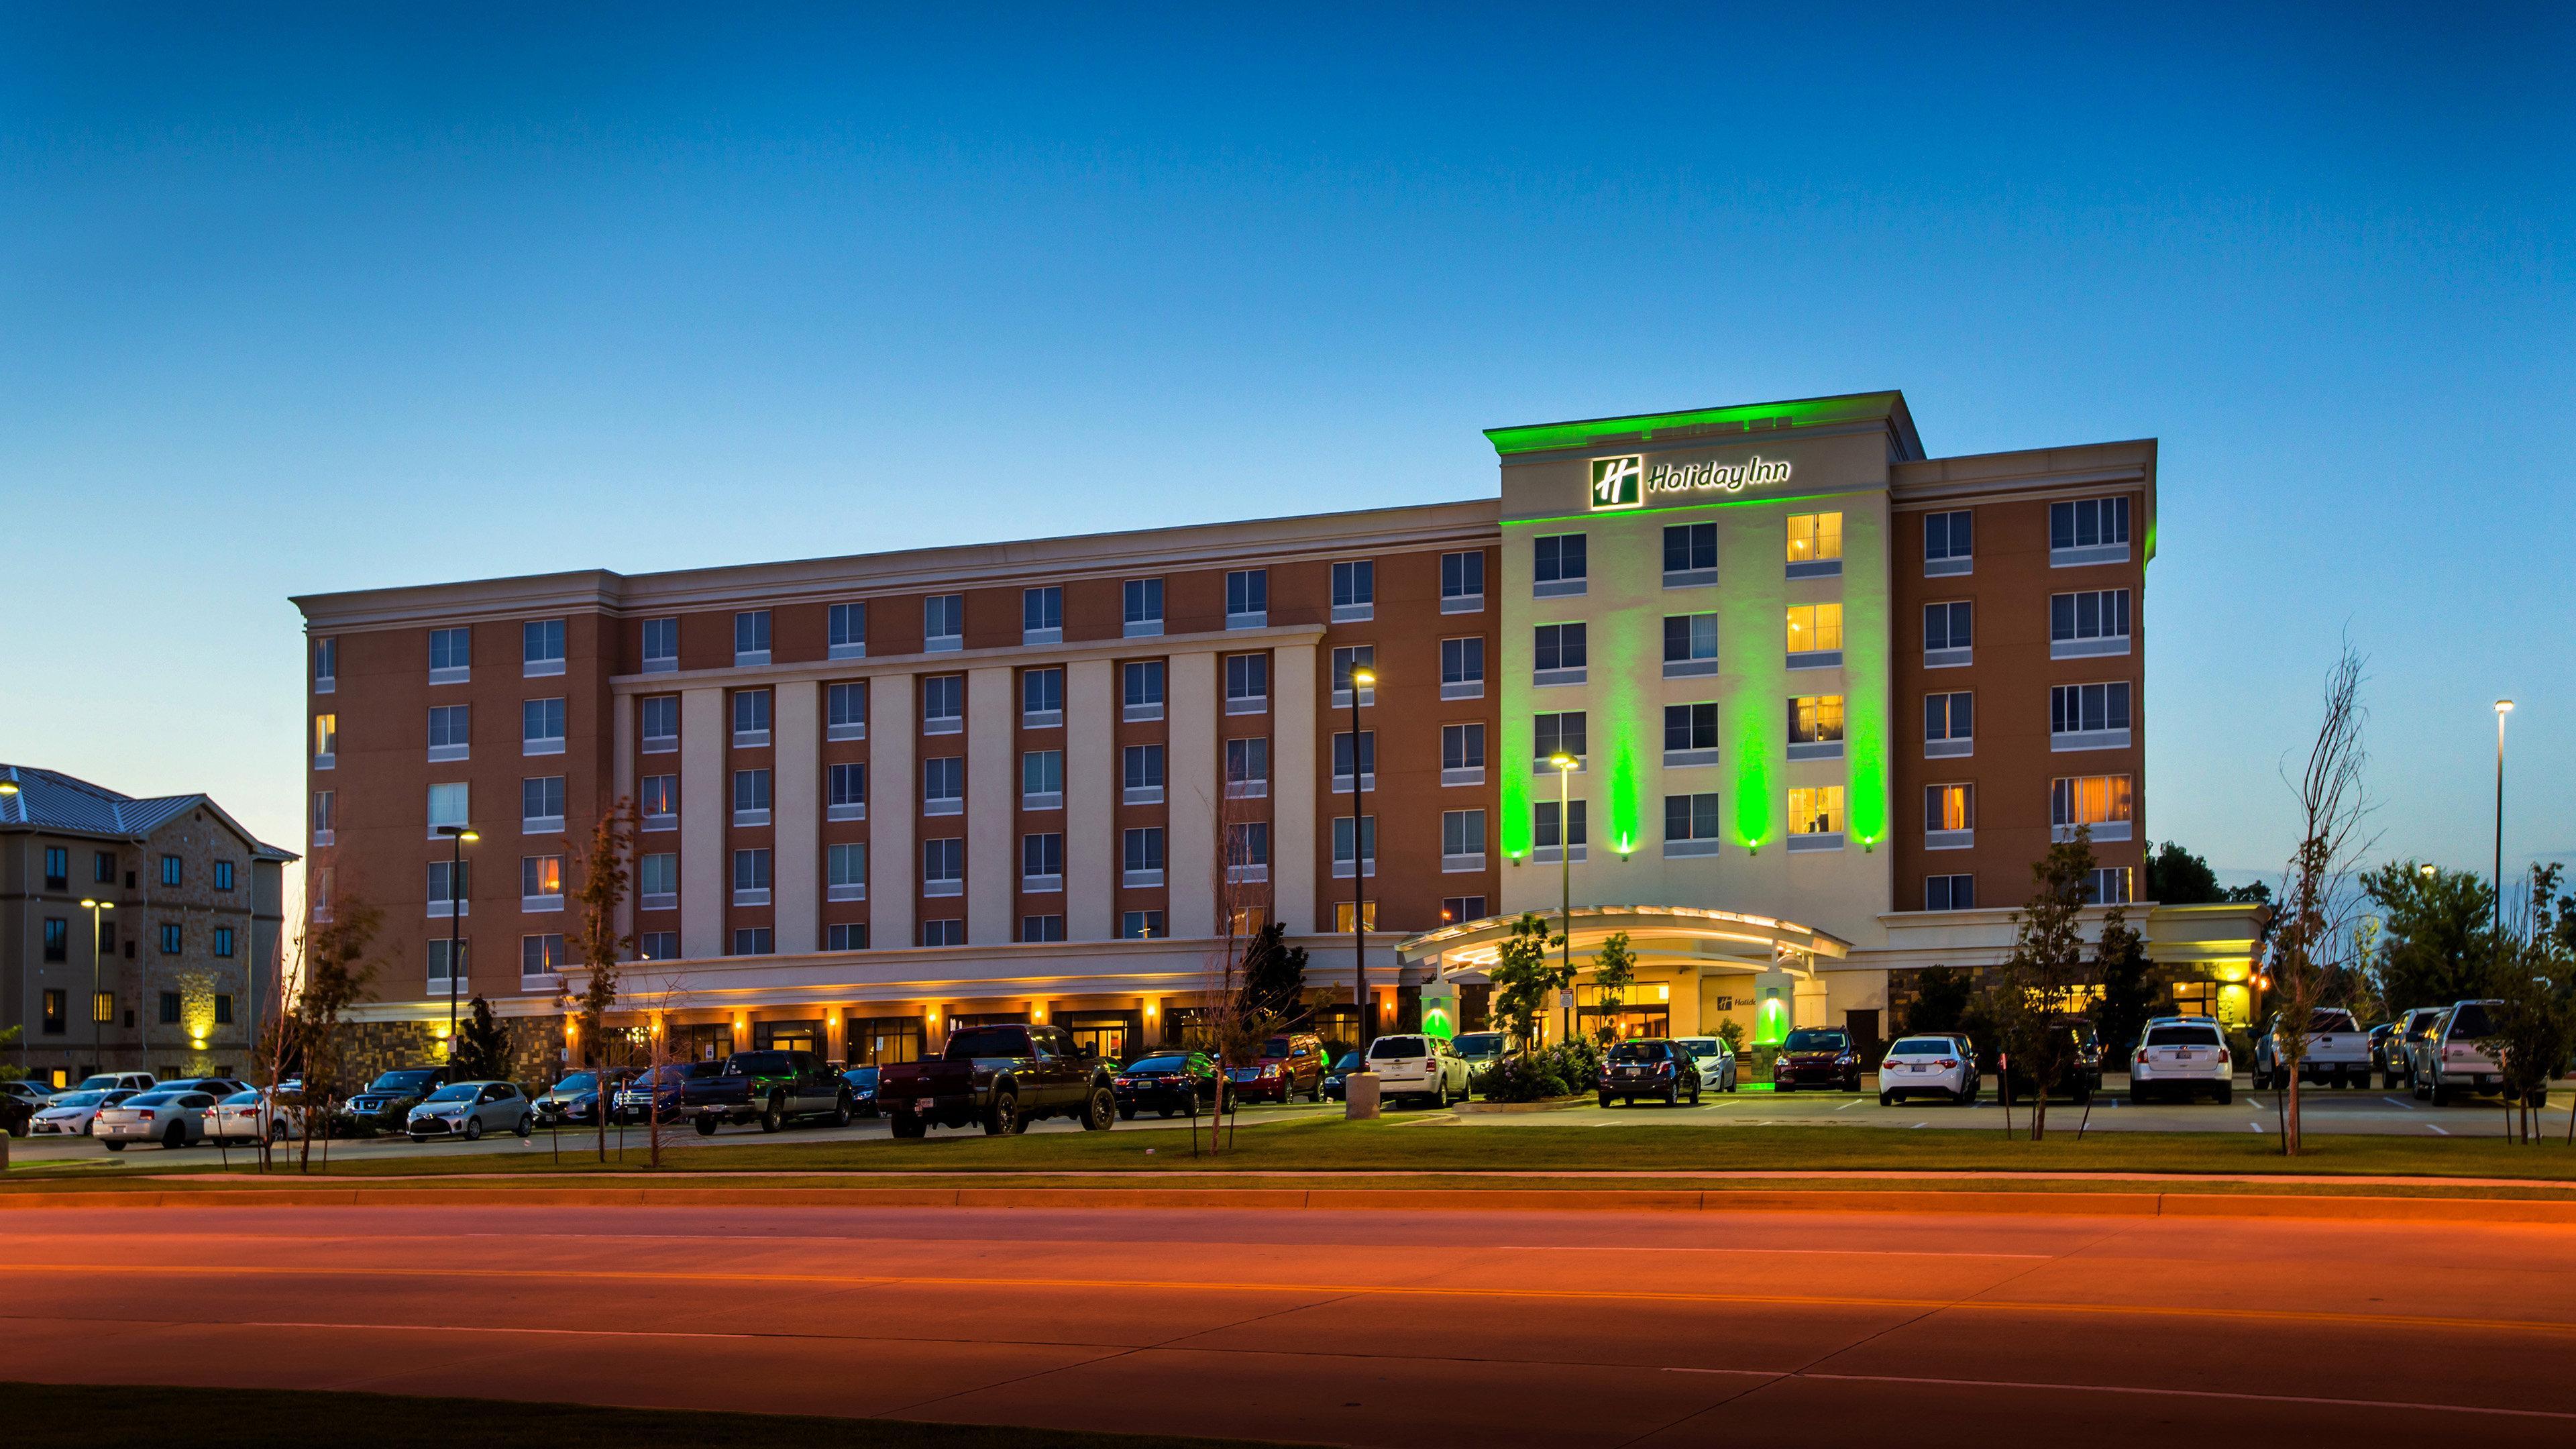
1565	764
96	1048
457	838
1361	678
2503	707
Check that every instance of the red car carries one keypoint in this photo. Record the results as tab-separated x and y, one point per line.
1817	1056
1291	1066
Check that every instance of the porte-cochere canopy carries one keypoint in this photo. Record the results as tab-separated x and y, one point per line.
1670	937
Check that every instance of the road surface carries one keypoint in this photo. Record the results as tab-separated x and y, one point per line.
1360	1328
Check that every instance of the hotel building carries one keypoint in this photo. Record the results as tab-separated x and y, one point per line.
1825	700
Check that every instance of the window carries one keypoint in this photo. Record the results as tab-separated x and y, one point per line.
1247	683
58	939
750	718
541	957
102	863
2088	531
848	638
1949	544
223	875
1462	582
658	797
541	727
1354	838
1462	754
1554	734
451	733
439	956
1815	545
1690	734
1142	852
1462	840
451	656
1816	817
1041	698
2087	624
845	711
846	936
1949	817
845	792
1354	592
751	877
326	665
1949	725
1816	727
943	704
943	933
2099	803
751	637
845	871
943	867
751	797
1690	555
173	938
1816	636
657	881
1345	660
102	1007
541	804
1342	916
326	816
1247	768
1559	566
2088	716
660	727
326	740
541	647
943	785
1042	928
1949	637
170	1004
1141	602
450	804
943	622
1690	645
106	944
1691	825
1454	909
753	941
1462	668
450	883
1042	780
658	946
1247	851
224	941
1247	599
1949	893
1544	838
661	646
1141	775
1561	654
541	883
1042	615
1342	761
58	868
2107	886
1141	924
1142	683
1042	862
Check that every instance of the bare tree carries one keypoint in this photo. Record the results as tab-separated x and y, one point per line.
2314	930
664	995
278	1041
603	889
337	968
2037	991
1230	1025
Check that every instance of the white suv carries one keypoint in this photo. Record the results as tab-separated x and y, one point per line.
2182	1057
1418	1066
2453	1059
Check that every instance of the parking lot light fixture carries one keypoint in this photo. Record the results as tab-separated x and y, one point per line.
1565	764
458	837
1361	678
2503	707
94	907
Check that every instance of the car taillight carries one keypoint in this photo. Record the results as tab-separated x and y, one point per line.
2222	1054
2142	1054
144	1114
1948	1062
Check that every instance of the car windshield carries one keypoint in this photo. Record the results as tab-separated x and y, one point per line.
758	1064
989	1041
859	1076
153	1099
1277	1046
1397	1048
242	1099
2471	1020
1480	1044
578	1082
1810	1039
80	1099
1923	1046
1349	1063
416	1079
461	1092
1700	1046
1637	1051
2331	1020
2182	1036
1158	1064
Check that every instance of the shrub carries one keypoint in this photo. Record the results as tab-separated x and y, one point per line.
1567	1069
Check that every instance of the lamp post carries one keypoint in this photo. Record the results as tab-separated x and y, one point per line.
2503	707
1565	764
457	836
1361	678
96	1048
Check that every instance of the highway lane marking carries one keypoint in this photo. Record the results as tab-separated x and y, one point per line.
873	1240
2320	1400
1375	1290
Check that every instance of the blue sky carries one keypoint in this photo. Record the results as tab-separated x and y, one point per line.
297	301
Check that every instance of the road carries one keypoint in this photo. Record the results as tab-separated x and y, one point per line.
1363	1328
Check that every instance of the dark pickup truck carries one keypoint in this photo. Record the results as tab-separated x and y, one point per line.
772	1088
1002	1076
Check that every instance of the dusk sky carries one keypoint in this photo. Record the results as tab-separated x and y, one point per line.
296	302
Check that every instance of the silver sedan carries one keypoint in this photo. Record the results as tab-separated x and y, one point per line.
470	1109
173	1119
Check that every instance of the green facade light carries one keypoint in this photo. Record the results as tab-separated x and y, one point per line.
1800	413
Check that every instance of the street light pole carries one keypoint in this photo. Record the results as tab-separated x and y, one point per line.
1360	679
456	835
2503	707
96	1048
1565	764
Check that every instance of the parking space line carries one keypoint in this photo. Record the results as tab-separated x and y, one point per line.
2392	1101
2437	1129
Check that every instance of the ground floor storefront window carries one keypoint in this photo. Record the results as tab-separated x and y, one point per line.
879	1041
787	1036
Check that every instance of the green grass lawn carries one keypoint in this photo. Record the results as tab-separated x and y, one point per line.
156	1418
1321	1148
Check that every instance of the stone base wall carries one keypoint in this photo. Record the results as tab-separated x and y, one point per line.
372	1047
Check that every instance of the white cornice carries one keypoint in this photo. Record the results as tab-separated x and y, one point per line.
954	660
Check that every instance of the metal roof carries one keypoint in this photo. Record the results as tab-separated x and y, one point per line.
66	805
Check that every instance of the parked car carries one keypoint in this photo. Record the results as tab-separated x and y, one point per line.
1004	1076
574	1101
2183	1057
250	1114
2454	1058
1930	1065
1715	1060
1414	1065
2337	1052
17	1115
1649	1067
70	1114
1165	1083
216	1086
169	1118
772	1088
1816	1056
1336	1081
863	1089
34	1093
1481	1049
2398	1065
671	1085
470	1109
116	1082
1291	1065
393	1094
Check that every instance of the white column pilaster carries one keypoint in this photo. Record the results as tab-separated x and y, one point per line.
992	790
1190	786
796	816
1292	787
705	872
1090	796
894	802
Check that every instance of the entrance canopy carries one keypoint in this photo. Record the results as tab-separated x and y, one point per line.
1674	938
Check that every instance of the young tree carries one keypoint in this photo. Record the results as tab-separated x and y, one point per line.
1942	996
2436	941
483	1045
337	968
2178	877
1524	977
2534	982
603	945
2312	933
2131	986
1614	970
2039	988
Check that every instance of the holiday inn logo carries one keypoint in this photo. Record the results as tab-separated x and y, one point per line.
1626	481
1618	482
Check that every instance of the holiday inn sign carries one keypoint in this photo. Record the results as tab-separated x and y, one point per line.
1627	482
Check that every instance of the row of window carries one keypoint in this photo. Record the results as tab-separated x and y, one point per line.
57	939
2107	885
104	868
103	1009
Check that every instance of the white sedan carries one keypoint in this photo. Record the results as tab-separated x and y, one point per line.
72	1113
1926	1066
249	1115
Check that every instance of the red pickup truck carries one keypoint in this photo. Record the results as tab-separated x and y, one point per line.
1004	1077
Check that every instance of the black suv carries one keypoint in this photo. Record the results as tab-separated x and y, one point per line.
1649	1067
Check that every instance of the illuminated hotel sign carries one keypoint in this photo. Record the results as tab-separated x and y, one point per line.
1627	482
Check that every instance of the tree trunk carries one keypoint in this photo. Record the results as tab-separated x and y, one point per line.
2290	1118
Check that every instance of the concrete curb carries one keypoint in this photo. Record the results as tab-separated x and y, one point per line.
1290	1199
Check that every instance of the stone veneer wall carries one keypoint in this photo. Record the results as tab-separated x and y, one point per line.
380	1046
